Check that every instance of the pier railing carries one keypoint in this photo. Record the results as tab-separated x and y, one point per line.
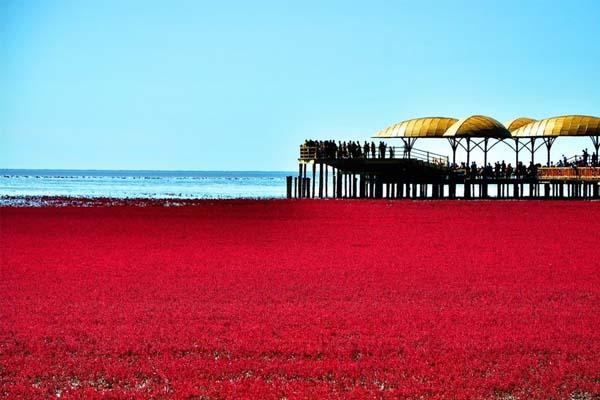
391	152
569	173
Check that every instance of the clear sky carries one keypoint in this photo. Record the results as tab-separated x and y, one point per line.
238	85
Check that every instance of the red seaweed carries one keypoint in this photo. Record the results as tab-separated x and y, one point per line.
301	299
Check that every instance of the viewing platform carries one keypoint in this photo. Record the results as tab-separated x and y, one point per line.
381	171
399	172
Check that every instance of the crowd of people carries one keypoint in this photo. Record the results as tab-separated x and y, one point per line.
578	161
503	170
498	170
329	149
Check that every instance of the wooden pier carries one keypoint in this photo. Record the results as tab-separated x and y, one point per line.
406	172
420	174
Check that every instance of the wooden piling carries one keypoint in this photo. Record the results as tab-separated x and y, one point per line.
288	187
299	180
378	188
362	186
304	181
320	180
314	168
326	179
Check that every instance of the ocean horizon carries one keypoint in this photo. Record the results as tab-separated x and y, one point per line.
150	184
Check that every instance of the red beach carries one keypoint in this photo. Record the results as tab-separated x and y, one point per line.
301	299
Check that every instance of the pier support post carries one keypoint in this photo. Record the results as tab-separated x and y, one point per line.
362	186
378	189
314	168
304	182
339	185
561	189
288	186
320	180
326	179
372	186
333	182
304	188
596	190
299	180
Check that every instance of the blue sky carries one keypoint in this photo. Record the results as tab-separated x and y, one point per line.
235	85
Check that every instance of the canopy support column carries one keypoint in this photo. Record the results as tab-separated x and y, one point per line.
516	152
454	145
596	142
485	151
548	141
532	142
468	151
408	145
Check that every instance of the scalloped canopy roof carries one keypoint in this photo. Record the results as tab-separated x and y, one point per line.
567	125
417	128
478	126
516	123
481	126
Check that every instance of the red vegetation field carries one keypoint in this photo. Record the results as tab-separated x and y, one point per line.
302	299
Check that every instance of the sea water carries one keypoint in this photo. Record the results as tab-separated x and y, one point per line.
143	184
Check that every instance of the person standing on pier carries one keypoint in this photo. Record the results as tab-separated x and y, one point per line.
372	149
509	170
473	169
381	150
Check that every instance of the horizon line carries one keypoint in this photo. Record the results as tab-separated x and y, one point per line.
136	170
